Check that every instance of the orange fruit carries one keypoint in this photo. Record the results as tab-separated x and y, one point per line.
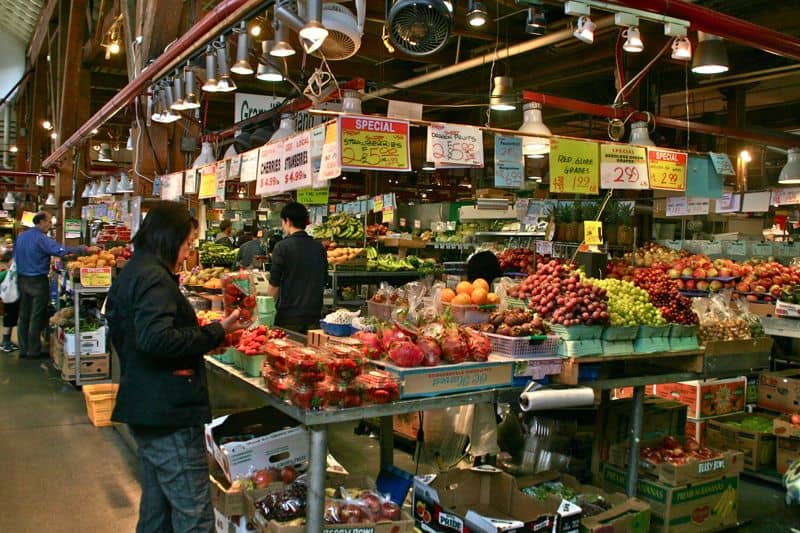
464	287
479	296
492	298
447	295
461	299
481	283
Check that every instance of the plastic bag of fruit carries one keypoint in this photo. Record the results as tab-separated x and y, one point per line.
718	320
286	504
239	292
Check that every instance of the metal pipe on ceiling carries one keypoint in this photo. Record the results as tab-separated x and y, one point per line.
726	26
224	15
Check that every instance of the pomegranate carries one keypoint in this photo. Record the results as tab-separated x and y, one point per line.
431	352
405	353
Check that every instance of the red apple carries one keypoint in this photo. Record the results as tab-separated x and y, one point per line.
715	285
699	273
702	285
775	290
674	273
686	272
712	272
795	418
725	273
691	284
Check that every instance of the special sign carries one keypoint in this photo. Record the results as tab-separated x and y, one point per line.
667	169
623	166
374	144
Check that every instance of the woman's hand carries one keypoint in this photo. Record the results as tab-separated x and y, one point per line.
231	322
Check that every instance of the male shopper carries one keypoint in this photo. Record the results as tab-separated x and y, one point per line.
32	254
298	274
225	235
248	250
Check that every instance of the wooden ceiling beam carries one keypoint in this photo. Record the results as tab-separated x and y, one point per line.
40	31
159	23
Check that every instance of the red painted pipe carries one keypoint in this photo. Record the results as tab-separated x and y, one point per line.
197	35
17	173
731	28
579	106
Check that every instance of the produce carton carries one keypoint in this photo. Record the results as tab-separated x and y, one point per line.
626	515
696	429
725	463
741	432
447	379
694	507
231	524
93	367
627	392
253	440
707	398
91	342
786	310
782	427
787	452
780	391
468	501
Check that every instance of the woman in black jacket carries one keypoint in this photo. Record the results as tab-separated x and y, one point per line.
163	392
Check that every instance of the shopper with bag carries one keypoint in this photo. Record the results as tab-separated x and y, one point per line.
163	390
9	294
32	256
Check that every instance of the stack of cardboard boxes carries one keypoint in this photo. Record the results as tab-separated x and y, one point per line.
780	392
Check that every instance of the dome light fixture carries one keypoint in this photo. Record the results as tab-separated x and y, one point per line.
313	33
640	136
10	200
790	173
681	49
477	15
711	56
503	97
242	65
51	200
585	30
534	147
281	46
633	40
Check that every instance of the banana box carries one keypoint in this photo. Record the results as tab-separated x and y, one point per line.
694	507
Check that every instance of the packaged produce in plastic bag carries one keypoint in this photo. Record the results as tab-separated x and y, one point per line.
285	504
719	321
239	292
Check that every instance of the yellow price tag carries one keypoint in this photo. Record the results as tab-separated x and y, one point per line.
593	232
96	277
208	182
667	169
388	215
574	166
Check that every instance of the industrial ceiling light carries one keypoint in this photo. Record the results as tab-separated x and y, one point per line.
177	89
102	190
681	49
313	33
190	98
129	143
710	57
242	65
54	135
10	200
351	102
286	128
429	166
46	124
168	116
532	123
224	84
281	46
13	149
502	97
790	173
745	156
104	154
640	135
111	187
254	27
633	40
85	193
536	23
477	14
95	131
210	85
585	30
125	184
266	71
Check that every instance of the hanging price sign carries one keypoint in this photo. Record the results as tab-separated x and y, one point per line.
623	166
509	167
697	206
248	168
172	186
190	183
677	206
297	162
388	216
270	167
667	169
374	144
96	277
722	163
455	144
222	176
593	232
729	203
234	168
313	196
208	182
574	167
544	247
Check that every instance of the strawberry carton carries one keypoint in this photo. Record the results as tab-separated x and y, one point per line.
239	292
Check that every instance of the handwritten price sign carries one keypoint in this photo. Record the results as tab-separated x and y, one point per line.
455	144
96	277
374	144
667	169
623	166
574	167
249	166
208	182
297	162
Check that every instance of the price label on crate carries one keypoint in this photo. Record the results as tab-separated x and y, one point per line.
574	166
544	247
667	169
623	166
96	277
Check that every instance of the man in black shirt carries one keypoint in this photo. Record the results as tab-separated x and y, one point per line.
298	274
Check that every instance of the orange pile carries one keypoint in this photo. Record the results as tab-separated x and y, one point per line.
466	293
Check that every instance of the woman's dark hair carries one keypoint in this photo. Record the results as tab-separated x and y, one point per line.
164	229
295	213
483	265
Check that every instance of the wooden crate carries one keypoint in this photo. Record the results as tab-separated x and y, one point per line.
93	367
100	400
56	350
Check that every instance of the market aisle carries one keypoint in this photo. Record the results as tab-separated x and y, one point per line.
60	473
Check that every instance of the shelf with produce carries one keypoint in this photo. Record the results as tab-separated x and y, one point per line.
509	234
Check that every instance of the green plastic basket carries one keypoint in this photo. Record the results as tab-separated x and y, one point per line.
618	347
580	348
265	304
680	344
228	356
651	344
236	357
679	330
578	333
620	333
649	332
252	364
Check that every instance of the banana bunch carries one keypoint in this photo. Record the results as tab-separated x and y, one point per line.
341	227
390	263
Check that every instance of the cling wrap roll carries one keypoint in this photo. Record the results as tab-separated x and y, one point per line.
536	397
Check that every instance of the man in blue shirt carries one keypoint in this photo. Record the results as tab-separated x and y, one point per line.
32	254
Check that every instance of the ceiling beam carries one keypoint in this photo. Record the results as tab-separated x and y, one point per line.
159	25
40	31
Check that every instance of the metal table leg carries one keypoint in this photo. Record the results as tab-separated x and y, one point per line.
387	441
635	437
316	487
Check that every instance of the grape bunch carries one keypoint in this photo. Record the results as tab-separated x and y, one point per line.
664	294
557	292
629	305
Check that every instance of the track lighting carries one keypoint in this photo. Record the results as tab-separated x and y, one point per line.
477	14
86	191
242	65
313	33
266	71
710	57
111	188
224	84
502	97
790	173
281	47
211	86
681	49
177	89
633	40
536	23
190	100
585	30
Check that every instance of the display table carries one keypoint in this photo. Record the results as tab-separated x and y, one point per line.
317	423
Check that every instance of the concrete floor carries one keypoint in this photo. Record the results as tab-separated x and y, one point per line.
61	474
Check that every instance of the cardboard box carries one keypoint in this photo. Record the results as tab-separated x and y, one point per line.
703	506
782	427
462	501
275	440
627	392
56	350
447	379
787	452
91	342
228	524
696	429
707	398
758	447
93	367
727	463
760	309
627	515
780	391
784	310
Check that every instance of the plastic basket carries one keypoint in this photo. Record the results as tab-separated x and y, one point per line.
236	358
535	345
578	333
580	348
516	303
227	356
679	344
337	330
620	333
536	368
252	364
470	314
381	311
618	347
649	332
100	400
651	344
265	304
679	330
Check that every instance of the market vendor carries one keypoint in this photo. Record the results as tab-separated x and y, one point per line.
484	265
298	274
225	235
